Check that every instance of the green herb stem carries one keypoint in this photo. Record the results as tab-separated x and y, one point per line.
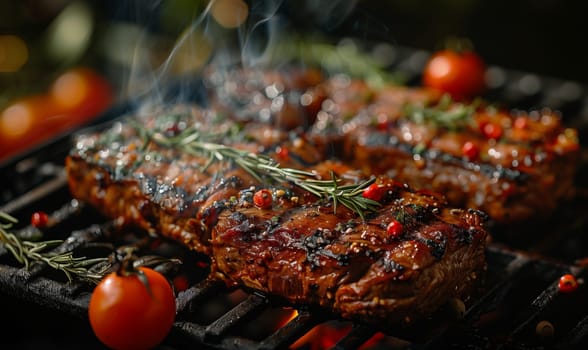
26	252
262	168
446	113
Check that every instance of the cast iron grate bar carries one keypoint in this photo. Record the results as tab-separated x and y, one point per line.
358	335
239	313
291	331
42	291
187	300
496	294
197	333
34	195
533	312
576	337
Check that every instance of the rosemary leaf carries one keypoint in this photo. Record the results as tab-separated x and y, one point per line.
264	168
8	219
27	251
446	113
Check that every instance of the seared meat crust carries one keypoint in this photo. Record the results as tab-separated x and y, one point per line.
312	254
514	165
301	248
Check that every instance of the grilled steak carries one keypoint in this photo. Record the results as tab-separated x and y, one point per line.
359	269
513	165
396	264
162	190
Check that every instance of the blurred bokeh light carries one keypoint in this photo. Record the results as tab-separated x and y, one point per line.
13	53
134	43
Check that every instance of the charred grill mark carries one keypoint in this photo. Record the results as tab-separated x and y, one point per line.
412	214
346	226
209	216
272	223
201	193
437	245
232	181
391	266
475	217
315	246
313	257
246	196
381	139
465	236
242	227
100	180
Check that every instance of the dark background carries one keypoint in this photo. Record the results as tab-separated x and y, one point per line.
547	37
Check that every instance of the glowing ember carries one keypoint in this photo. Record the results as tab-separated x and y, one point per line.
323	336
289	317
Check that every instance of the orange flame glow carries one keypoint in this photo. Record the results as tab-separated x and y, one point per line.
323	336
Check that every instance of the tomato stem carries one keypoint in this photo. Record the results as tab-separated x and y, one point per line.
127	267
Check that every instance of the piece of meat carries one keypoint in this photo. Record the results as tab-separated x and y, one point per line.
515	166
346	98
165	190
287	98
311	254
301	248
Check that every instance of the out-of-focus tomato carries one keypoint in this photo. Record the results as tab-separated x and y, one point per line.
81	92
26	122
75	97
460	74
128	312
23	116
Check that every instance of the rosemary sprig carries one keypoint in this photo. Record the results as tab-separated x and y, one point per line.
262	168
26	252
332	58
446	113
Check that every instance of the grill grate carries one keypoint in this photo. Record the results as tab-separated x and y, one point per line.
520	293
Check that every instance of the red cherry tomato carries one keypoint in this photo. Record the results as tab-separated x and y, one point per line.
521	123
81	92
125	313
26	122
460	74
75	97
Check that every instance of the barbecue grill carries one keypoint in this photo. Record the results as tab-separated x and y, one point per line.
520	306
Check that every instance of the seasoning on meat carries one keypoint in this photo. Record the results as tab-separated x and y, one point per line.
302	248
